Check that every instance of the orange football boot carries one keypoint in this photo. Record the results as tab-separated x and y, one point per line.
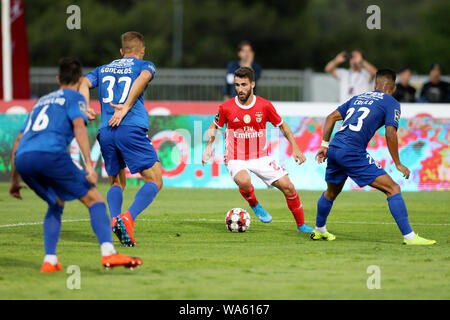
114	222
48	267
116	229
120	260
124	229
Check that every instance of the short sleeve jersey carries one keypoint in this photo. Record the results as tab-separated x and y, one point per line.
363	115
114	81
49	126
246	127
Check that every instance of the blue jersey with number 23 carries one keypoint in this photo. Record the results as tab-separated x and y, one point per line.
363	115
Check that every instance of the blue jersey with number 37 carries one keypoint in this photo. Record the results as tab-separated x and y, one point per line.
363	115
114	81
49	126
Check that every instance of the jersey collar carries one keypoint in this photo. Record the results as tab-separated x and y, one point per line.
236	100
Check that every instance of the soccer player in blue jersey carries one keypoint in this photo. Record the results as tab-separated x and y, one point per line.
40	157
347	157
123	131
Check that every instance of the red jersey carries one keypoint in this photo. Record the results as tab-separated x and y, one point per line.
245	137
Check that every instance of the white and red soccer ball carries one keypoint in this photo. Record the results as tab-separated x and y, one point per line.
237	220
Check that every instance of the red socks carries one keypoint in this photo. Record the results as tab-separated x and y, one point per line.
293	202
249	195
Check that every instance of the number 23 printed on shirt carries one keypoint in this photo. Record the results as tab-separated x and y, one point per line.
365	112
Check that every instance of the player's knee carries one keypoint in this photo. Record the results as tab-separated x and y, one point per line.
156	179
59	202
393	189
330	194
93	196
118	184
289	189
244	182
159	183
56	208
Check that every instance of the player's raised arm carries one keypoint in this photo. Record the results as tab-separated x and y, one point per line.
82	137
136	90
392	144
326	135
299	157
370	68
212	132
85	86
331	66
15	185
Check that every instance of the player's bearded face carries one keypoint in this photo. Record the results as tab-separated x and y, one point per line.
243	89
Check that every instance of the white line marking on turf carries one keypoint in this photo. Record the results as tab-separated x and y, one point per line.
20	224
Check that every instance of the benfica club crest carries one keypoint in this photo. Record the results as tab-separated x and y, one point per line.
258	116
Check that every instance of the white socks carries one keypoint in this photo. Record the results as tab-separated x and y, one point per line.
51	258
409	236
107	249
321	229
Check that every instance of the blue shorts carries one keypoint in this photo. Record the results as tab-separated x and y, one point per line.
126	146
360	166
52	175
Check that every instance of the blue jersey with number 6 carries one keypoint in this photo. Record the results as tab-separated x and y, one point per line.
363	115
114	81
49	126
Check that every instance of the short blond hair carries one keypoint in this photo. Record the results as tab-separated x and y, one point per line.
132	41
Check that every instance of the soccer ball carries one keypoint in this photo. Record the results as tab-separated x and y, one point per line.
237	220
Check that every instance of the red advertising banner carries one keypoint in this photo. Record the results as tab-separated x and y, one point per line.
19	47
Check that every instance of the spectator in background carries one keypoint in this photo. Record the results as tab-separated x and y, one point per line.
246	59
435	90
405	92
355	80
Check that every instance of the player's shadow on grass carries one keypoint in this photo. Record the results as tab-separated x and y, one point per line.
207	226
361	238
19	263
219	227
77	236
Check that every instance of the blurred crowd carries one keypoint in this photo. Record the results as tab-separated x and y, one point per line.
356	79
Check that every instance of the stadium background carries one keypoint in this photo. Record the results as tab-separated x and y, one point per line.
285	37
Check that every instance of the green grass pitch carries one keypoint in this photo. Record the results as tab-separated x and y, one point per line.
189	254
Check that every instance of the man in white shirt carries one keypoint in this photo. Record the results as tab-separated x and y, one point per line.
355	80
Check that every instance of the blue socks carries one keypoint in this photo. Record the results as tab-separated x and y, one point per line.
396	206
323	210
398	210
143	198
100	222
52	228
115	199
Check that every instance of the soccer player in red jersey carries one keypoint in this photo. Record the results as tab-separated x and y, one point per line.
246	116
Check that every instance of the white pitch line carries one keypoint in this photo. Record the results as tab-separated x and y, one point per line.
222	220
20	224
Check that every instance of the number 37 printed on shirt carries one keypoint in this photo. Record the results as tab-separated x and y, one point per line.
109	89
